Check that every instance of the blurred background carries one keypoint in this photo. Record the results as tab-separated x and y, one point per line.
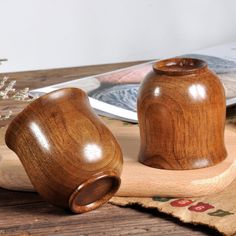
43	34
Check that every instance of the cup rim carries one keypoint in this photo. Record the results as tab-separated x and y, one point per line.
76	208
187	65
34	103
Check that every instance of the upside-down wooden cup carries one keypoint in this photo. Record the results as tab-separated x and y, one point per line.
181	113
70	156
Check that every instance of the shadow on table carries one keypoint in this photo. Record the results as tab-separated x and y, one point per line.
27	202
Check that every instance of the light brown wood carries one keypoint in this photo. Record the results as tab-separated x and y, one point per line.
157	182
24	213
181	113
70	156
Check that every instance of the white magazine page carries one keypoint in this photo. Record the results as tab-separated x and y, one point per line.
114	94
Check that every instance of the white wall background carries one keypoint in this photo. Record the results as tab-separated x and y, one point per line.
39	34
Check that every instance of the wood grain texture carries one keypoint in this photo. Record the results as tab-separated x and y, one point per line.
41	78
70	156
27	214
158	182
24	213
181	112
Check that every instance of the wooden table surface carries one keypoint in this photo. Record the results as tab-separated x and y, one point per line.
28	214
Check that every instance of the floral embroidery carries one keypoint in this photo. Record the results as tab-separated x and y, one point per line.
162	199
181	202
220	213
200	207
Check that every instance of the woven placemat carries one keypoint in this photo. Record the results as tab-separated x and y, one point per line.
217	211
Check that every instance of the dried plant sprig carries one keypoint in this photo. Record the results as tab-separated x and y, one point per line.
8	89
7	116
22	95
3	81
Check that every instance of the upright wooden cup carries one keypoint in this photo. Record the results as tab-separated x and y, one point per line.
70	156
181	112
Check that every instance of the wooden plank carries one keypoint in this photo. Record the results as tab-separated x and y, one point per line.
27	214
41	78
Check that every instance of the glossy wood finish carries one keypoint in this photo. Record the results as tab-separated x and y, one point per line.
27	213
70	156
158	182
181	112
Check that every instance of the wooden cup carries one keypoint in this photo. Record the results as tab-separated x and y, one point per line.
181	113
70	156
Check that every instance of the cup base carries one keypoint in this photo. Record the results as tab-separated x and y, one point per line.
94	192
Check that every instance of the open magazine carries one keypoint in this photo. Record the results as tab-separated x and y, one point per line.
114	94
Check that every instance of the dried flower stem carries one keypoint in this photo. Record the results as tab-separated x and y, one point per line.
7	91
7	116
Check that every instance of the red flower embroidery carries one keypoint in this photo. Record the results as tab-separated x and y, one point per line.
201	207
181	202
